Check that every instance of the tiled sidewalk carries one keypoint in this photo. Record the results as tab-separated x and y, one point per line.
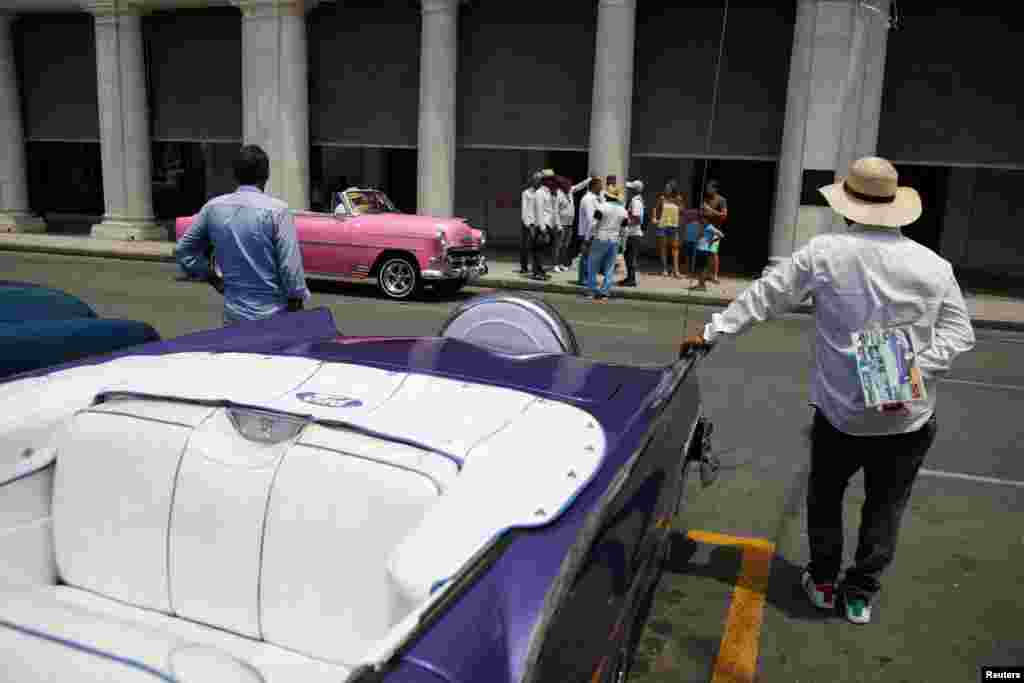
986	310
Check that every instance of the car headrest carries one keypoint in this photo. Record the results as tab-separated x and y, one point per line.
511	323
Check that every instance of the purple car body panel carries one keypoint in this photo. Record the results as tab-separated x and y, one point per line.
624	400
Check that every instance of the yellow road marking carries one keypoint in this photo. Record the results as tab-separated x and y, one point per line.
737	653
712	538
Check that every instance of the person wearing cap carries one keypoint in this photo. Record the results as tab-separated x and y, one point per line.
529	216
612	221
866	278
636	231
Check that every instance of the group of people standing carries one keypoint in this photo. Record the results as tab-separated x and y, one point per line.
611	222
698	231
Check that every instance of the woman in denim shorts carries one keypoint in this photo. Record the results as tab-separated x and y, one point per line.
669	207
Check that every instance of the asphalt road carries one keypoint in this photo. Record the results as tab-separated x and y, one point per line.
952	601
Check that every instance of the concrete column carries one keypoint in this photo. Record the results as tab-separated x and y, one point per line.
124	125
612	108
435	183
833	106
14	211
275	92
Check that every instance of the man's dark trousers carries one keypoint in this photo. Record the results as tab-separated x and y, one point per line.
632	251
539	241
890	463
525	245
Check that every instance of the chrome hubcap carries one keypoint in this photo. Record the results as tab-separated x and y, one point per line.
397	277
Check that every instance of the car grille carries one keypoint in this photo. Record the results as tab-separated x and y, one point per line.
458	258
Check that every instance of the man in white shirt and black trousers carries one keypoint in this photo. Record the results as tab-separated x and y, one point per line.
870	277
636	231
545	233
529	216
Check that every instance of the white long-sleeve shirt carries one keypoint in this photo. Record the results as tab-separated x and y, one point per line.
636	210
545	211
567	208
588	205
529	207
859	279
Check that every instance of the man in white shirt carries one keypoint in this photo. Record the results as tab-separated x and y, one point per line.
529	215
635	233
590	203
867	278
612	221
546	232
565	204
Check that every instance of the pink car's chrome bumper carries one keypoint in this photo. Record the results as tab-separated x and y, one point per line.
453	266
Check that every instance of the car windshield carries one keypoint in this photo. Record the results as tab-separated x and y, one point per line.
370	201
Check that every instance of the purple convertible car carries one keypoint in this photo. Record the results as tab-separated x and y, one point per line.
275	502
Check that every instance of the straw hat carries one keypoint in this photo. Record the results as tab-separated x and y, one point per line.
871	195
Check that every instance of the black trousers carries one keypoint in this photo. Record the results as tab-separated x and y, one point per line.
539	244
572	249
890	463
631	253
525	244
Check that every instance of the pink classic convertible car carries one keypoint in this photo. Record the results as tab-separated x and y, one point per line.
367	238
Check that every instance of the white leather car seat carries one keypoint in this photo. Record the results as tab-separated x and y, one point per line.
183	547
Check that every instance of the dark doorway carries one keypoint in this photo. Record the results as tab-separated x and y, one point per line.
401	178
932	183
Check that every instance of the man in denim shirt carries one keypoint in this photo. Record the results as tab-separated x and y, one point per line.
256	246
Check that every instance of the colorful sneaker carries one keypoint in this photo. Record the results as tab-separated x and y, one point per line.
821	595
857	609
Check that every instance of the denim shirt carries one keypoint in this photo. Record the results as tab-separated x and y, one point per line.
257	248
864	277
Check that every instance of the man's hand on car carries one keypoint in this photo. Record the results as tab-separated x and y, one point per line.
692	343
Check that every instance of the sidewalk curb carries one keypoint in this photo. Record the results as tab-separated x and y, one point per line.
526	284
496	282
81	251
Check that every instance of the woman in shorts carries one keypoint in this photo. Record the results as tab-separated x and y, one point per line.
667	210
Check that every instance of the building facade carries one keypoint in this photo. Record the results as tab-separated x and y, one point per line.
118	115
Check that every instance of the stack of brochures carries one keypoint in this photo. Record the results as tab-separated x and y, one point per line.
888	369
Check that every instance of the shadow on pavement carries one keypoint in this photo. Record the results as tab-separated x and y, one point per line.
725	566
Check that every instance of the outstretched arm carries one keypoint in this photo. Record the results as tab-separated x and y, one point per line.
580	185
775	293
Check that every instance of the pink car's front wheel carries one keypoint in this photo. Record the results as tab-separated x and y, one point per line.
398	277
